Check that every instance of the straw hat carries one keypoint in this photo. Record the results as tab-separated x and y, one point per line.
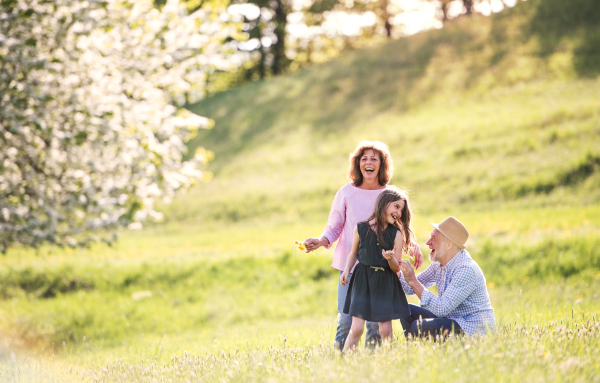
454	230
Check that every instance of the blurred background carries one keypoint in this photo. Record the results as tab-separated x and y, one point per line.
160	158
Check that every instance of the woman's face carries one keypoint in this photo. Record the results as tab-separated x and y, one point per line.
369	165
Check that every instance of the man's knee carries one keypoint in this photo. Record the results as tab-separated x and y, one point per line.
414	328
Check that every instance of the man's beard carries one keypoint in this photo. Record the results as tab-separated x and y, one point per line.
435	256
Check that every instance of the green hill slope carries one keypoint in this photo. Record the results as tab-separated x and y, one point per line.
494	120
504	109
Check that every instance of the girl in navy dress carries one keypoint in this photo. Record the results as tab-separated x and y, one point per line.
375	293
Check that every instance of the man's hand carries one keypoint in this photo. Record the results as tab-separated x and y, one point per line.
408	271
416	252
409	276
314	243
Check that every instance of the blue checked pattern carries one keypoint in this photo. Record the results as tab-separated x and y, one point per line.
463	294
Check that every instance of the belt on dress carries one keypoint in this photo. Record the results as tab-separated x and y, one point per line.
377	268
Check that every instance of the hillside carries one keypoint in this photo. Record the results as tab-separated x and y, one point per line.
498	110
494	120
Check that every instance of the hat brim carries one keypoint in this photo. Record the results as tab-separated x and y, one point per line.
462	247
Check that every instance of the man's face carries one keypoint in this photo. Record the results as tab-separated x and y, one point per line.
437	245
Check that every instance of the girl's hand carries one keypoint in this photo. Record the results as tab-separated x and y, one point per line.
389	254
344	278
416	252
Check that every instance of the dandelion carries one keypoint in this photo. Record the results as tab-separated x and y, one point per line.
300	245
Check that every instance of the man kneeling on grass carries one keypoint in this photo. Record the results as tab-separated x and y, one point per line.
463	304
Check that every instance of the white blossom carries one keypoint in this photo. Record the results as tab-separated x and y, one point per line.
92	125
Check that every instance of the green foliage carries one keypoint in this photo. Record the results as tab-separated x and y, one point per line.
91	123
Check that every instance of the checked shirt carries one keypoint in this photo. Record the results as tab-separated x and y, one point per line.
463	294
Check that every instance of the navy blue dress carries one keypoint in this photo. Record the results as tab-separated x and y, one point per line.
373	294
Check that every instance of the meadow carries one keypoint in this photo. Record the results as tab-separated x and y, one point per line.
492	120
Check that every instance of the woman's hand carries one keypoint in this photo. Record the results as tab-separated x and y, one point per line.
344	278
416	252
314	243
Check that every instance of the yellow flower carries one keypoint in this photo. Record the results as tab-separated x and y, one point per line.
300	245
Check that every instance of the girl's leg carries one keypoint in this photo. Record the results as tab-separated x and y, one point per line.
356	331
385	329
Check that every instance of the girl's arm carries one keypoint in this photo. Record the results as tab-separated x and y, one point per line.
351	258
392	256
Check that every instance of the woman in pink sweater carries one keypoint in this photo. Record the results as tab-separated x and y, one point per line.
371	168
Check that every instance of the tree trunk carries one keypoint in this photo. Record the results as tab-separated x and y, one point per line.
444	10
468	6
388	27
280	61
261	64
386	19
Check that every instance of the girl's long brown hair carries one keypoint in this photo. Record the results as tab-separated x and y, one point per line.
389	195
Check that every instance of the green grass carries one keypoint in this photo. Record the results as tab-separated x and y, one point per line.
518	352
492	120
548	332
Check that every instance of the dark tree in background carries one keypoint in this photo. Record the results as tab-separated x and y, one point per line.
280	60
268	53
468	6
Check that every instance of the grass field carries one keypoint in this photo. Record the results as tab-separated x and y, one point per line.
493	120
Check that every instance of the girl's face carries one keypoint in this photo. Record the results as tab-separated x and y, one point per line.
369	165
393	212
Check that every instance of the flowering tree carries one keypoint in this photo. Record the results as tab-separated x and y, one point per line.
92	128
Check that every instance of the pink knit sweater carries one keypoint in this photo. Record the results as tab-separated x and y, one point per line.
350	206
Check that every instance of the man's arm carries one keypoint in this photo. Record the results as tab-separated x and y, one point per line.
462	285
426	278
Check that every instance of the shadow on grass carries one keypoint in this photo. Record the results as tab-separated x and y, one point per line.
555	21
